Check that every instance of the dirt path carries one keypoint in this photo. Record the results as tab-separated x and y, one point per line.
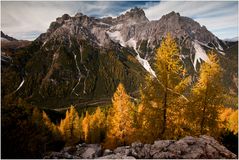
95	102
88	103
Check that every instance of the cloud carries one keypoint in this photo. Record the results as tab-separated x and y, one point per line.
22	18
26	20
220	17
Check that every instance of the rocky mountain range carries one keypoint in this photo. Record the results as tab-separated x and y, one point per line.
82	58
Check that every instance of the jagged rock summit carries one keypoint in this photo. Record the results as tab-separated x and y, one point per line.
135	15
204	147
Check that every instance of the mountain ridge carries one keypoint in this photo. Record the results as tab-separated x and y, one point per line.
234	39
6	37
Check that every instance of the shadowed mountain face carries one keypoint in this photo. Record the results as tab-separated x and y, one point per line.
6	37
10	44
81	58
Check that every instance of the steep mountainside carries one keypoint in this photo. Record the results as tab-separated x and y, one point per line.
81	58
6	37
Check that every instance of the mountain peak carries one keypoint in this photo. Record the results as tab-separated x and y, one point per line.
172	14
65	16
79	14
135	14
137	10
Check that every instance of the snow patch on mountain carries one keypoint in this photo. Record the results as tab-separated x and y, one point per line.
20	85
117	27
218	50
44	42
5	58
79	74
4	39
87	75
143	62
146	65
200	54
116	37
219	46
132	43
203	44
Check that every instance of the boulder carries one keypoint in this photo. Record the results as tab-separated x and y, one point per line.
160	146
89	151
196	148
138	150
146	151
215	149
125	150
70	149
107	152
67	155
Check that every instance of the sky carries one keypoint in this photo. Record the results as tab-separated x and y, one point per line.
28	19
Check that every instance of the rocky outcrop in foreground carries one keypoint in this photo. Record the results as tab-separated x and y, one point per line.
188	148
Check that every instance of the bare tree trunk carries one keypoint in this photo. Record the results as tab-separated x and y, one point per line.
202	124
165	107
164	113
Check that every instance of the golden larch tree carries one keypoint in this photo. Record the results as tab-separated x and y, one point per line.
97	126
70	127
229	119
51	126
161	94
47	121
120	119
86	127
149	112
168	70
206	102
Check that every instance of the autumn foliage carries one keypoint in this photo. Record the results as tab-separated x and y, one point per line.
70	127
229	118
120	119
